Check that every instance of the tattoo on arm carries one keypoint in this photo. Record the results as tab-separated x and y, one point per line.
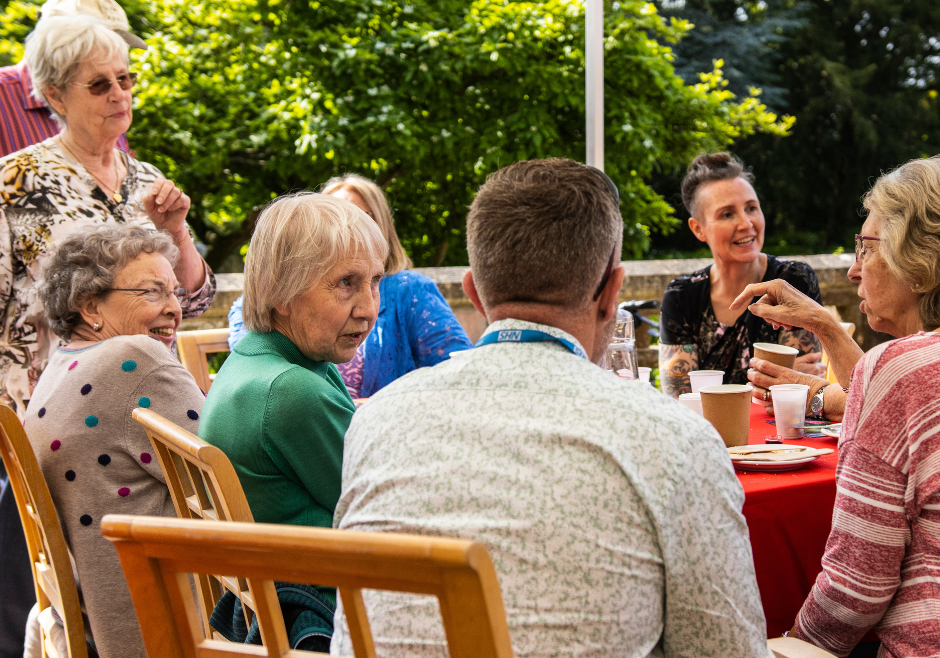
803	340
675	363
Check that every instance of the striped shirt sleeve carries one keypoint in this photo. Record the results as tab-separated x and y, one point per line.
881	569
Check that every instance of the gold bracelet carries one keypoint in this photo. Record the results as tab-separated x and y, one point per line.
182	240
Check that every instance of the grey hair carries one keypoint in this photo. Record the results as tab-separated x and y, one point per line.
84	266
58	47
298	239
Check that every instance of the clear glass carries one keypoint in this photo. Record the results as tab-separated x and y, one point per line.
621	359
624	329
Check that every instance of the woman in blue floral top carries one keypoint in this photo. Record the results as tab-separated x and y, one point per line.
415	328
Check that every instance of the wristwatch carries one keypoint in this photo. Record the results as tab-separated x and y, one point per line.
816	404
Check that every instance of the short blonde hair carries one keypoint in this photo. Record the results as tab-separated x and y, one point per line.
298	239
374	197
59	45
908	202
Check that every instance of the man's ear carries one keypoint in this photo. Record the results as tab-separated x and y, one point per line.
470	288
697	229
607	300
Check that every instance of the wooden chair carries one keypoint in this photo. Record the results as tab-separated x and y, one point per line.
48	553
204	486
192	348
155	552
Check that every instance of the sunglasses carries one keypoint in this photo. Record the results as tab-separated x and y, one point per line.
102	86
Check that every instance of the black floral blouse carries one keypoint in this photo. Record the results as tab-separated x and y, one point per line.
688	319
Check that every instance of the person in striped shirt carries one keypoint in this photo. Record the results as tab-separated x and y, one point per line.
881	568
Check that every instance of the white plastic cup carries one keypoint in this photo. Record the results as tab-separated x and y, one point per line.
700	378
789	409
644	374
693	401
458	353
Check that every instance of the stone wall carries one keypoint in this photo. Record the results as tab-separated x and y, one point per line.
645	279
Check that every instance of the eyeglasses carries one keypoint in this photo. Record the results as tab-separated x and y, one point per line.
102	86
860	250
159	295
606	277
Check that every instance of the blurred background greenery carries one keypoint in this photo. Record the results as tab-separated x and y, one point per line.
241	100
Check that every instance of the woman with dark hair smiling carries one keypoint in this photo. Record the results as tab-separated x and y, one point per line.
699	330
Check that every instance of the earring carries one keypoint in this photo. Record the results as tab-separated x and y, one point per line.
96	327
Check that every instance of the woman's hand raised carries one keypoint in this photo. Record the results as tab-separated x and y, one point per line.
782	305
167	206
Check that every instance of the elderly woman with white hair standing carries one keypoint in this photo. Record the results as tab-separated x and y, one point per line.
80	71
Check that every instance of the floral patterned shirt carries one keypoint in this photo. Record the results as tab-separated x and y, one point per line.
44	196
612	513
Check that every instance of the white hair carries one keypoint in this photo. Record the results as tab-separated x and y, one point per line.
299	238
58	47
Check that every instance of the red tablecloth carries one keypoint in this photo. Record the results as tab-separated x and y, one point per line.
789	516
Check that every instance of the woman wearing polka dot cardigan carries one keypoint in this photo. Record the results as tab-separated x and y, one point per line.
111	292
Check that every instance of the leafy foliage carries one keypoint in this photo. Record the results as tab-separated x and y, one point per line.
241	100
860	76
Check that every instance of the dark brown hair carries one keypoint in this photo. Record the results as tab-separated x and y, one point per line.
709	167
543	231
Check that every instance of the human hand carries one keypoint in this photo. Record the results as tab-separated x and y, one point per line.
167	206
781	305
764	374
811	364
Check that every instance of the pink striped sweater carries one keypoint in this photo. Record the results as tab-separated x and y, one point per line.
881	569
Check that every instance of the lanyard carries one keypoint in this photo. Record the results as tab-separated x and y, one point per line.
527	336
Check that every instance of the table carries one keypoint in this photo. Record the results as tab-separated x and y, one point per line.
788	516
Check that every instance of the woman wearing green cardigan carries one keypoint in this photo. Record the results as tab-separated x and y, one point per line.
278	407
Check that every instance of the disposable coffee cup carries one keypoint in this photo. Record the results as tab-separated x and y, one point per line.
693	401
779	354
728	408
789	409
700	378
644	374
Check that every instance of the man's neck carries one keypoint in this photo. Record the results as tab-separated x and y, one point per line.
552	315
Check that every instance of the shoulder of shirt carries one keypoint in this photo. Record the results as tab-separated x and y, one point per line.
407	279
10	75
893	349
32	154
797	267
681	282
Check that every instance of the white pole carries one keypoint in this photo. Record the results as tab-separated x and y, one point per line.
594	78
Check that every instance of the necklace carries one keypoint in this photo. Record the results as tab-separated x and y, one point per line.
114	194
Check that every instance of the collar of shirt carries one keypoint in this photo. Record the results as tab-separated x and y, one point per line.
511	323
26	84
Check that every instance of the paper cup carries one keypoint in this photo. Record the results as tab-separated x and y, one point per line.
700	378
644	374
779	354
693	401
789	409
728	408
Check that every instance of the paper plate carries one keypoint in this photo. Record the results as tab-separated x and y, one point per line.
774	467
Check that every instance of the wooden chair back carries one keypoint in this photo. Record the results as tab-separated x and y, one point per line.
48	552
156	552
193	348
204	486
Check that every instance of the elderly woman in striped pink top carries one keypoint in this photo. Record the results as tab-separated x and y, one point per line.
881	569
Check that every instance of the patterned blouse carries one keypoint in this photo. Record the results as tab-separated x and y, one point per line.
45	195
688	319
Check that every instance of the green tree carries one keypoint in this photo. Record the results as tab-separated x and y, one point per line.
240	100
861	78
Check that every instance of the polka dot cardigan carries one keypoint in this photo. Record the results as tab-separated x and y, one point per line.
98	460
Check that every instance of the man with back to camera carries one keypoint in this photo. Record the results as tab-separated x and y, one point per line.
612	513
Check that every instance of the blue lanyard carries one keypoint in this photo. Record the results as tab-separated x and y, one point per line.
528	336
